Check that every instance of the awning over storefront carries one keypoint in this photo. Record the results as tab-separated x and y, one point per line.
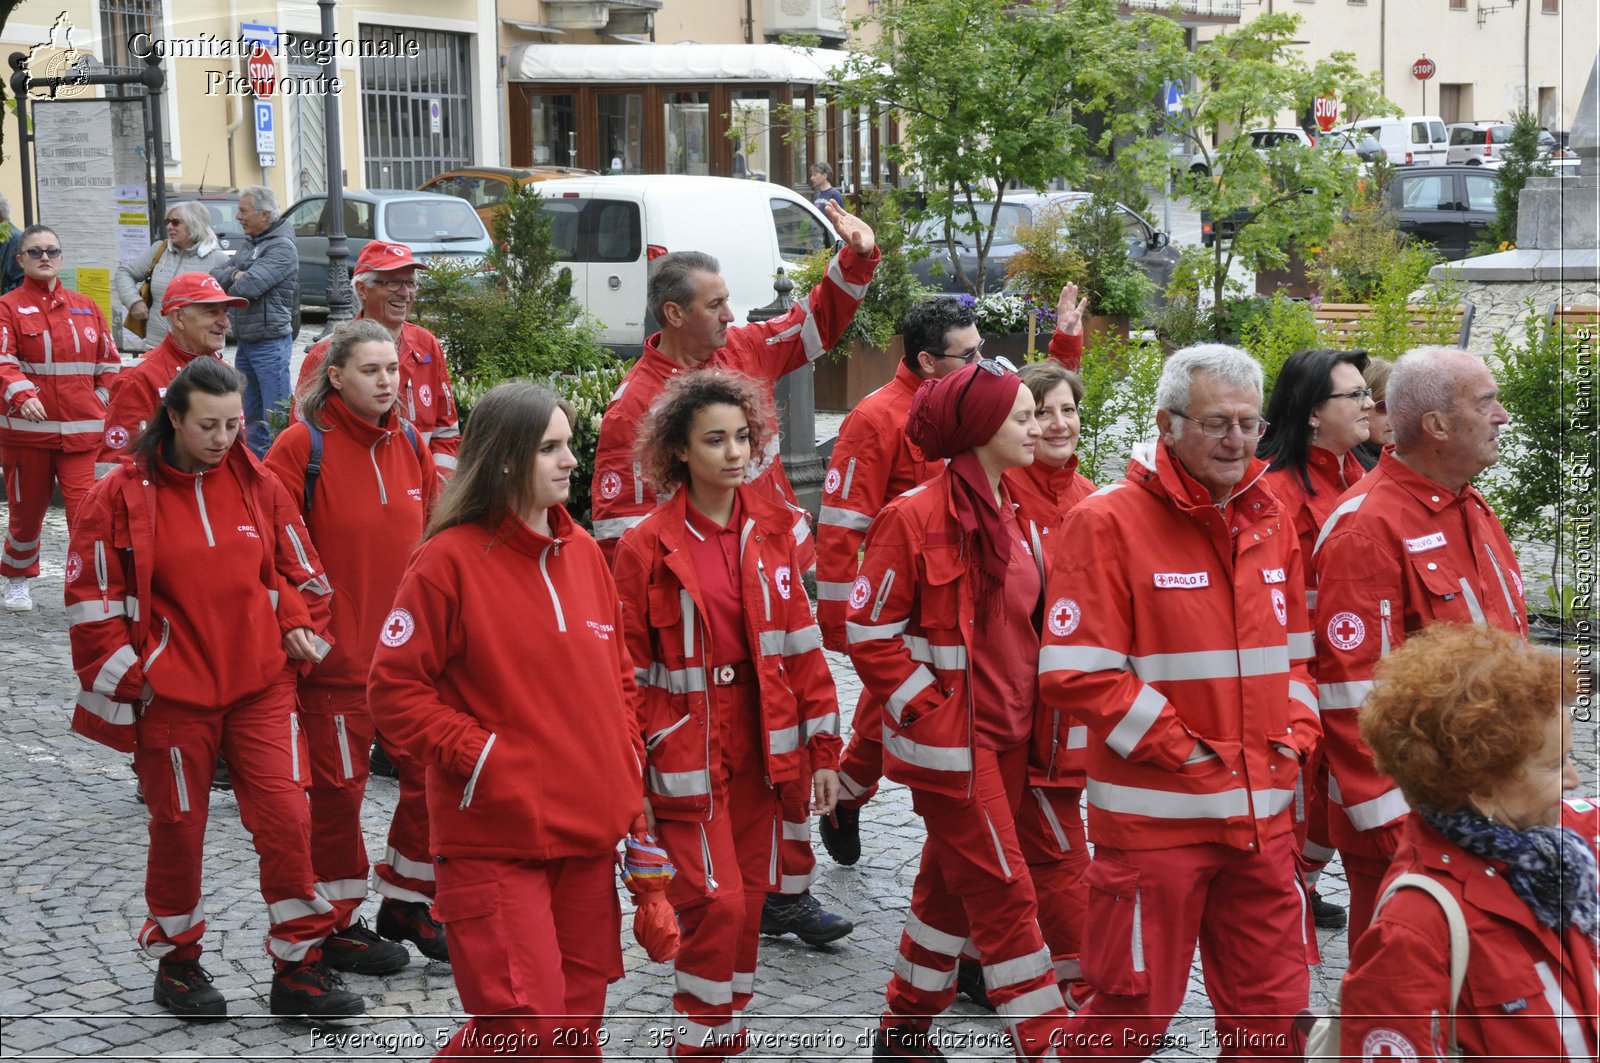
672	63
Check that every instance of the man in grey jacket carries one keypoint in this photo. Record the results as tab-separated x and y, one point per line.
266	271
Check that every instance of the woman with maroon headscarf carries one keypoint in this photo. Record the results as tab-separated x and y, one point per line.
943	628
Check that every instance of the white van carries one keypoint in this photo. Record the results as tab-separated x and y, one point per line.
1414	140
608	229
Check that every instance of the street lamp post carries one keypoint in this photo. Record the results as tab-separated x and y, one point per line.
339	295
795	396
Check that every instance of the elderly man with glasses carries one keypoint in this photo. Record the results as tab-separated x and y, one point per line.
266	273
1175	628
1412	544
57	361
385	282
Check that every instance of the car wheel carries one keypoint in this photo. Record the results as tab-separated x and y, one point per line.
1199	171
1474	162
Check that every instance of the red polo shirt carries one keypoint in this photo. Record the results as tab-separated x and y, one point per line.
1005	652
714	549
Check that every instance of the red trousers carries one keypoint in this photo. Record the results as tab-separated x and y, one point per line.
1311	817
1147	908
974	881
266	754
31	477
339	730
726	866
1365	875
797	861
861	765
1051	835
533	945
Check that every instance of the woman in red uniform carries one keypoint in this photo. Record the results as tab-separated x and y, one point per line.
734	694
1319	414
1050	824
372	483
502	668
942	626
193	589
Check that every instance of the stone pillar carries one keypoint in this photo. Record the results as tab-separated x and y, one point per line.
797	412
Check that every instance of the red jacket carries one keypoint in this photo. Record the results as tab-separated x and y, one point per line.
368	509
1399	553
666	628
1307	512
115	631
1043	496
467	677
426	399
909	626
54	346
872	464
766	351
136	393
1530	991
1170	622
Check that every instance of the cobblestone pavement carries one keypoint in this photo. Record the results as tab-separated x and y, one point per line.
73	985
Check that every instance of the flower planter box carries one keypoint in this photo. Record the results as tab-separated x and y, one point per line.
1012	346
839	385
1096	326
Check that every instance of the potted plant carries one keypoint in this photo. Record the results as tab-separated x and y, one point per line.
1085	245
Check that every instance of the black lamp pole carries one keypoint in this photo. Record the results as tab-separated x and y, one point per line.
339	294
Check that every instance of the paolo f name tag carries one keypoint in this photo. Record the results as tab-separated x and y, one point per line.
1182	580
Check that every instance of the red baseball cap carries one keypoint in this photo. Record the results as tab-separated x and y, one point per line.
379	256
186	289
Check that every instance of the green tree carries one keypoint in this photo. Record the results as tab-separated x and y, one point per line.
987	91
1290	194
1518	162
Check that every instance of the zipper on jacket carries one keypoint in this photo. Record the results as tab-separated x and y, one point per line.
773	881
1383	630
705	856
178	778
100	573
999	849
661	735
477	769
344	748
411	401
849	478
544	570
883	594
200	499
1516	615
161	647
1136	934
638	484
1055	743
766	591
294	747
372	452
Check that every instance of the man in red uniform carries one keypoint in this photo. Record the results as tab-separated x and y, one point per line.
57	360
690	301
873	463
1412	544
1176	630
196	309
385	280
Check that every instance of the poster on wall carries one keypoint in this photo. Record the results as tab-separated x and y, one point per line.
92	190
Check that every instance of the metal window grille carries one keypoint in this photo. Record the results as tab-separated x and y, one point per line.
397	95
120	22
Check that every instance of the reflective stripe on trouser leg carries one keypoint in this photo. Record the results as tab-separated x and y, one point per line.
30	480
1051	834
797	861
861	764
339	735
406	873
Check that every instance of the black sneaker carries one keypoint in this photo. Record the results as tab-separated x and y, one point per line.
969	981
357	950
412	921
380	764
903	1042
313	991
220	779
841	835
184	988
1328	916
800	914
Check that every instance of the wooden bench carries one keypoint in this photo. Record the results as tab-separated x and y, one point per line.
1568	318
1342	321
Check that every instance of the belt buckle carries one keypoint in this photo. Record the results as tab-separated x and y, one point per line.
723	675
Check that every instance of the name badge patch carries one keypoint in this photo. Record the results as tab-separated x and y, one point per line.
1182	580
1427	542
1273	575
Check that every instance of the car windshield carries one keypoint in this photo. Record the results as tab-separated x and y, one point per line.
423	221
1012	217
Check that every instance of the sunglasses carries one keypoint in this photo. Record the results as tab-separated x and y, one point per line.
36	253
992	366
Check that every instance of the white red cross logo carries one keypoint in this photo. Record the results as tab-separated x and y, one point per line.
1346	631
397	628
1064	617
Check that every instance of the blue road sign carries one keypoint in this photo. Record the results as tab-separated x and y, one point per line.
1174	97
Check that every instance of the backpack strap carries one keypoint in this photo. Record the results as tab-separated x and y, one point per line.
313	465
411	434
1459	942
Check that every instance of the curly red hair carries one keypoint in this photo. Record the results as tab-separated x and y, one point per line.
1459	709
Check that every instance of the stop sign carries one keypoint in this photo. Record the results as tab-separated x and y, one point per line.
1326	111
1422	69
263	72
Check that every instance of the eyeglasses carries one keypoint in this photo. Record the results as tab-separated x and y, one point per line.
1218	427
1358	394
968	356
1380	406
36	253
174	221
398	286
992	366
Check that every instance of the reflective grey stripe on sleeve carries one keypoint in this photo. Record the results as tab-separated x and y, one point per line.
811	727
1080	659
679	783
444	461
16	389
855	633
1385	808
838	517
117	713
832	592
1300	692
1343	695
935	758
615	526
1345	508
944	658
91	612
857	292
914	684
791	643
112	672
1136	721
1301	647
783	740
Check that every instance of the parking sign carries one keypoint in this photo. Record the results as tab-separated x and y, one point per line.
265	144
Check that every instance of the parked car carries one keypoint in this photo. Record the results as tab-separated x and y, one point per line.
1414	140
223	208
1262	140
608	229
435	227
487	187
1149	247
1446	206
1473	143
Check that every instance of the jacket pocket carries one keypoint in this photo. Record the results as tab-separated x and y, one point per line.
656	738
1450	596
1113	931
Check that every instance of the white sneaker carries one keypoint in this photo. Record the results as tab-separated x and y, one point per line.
17	597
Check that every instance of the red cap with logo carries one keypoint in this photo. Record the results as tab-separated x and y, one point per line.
186	289
380	256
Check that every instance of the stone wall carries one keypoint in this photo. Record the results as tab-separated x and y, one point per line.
1502	306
